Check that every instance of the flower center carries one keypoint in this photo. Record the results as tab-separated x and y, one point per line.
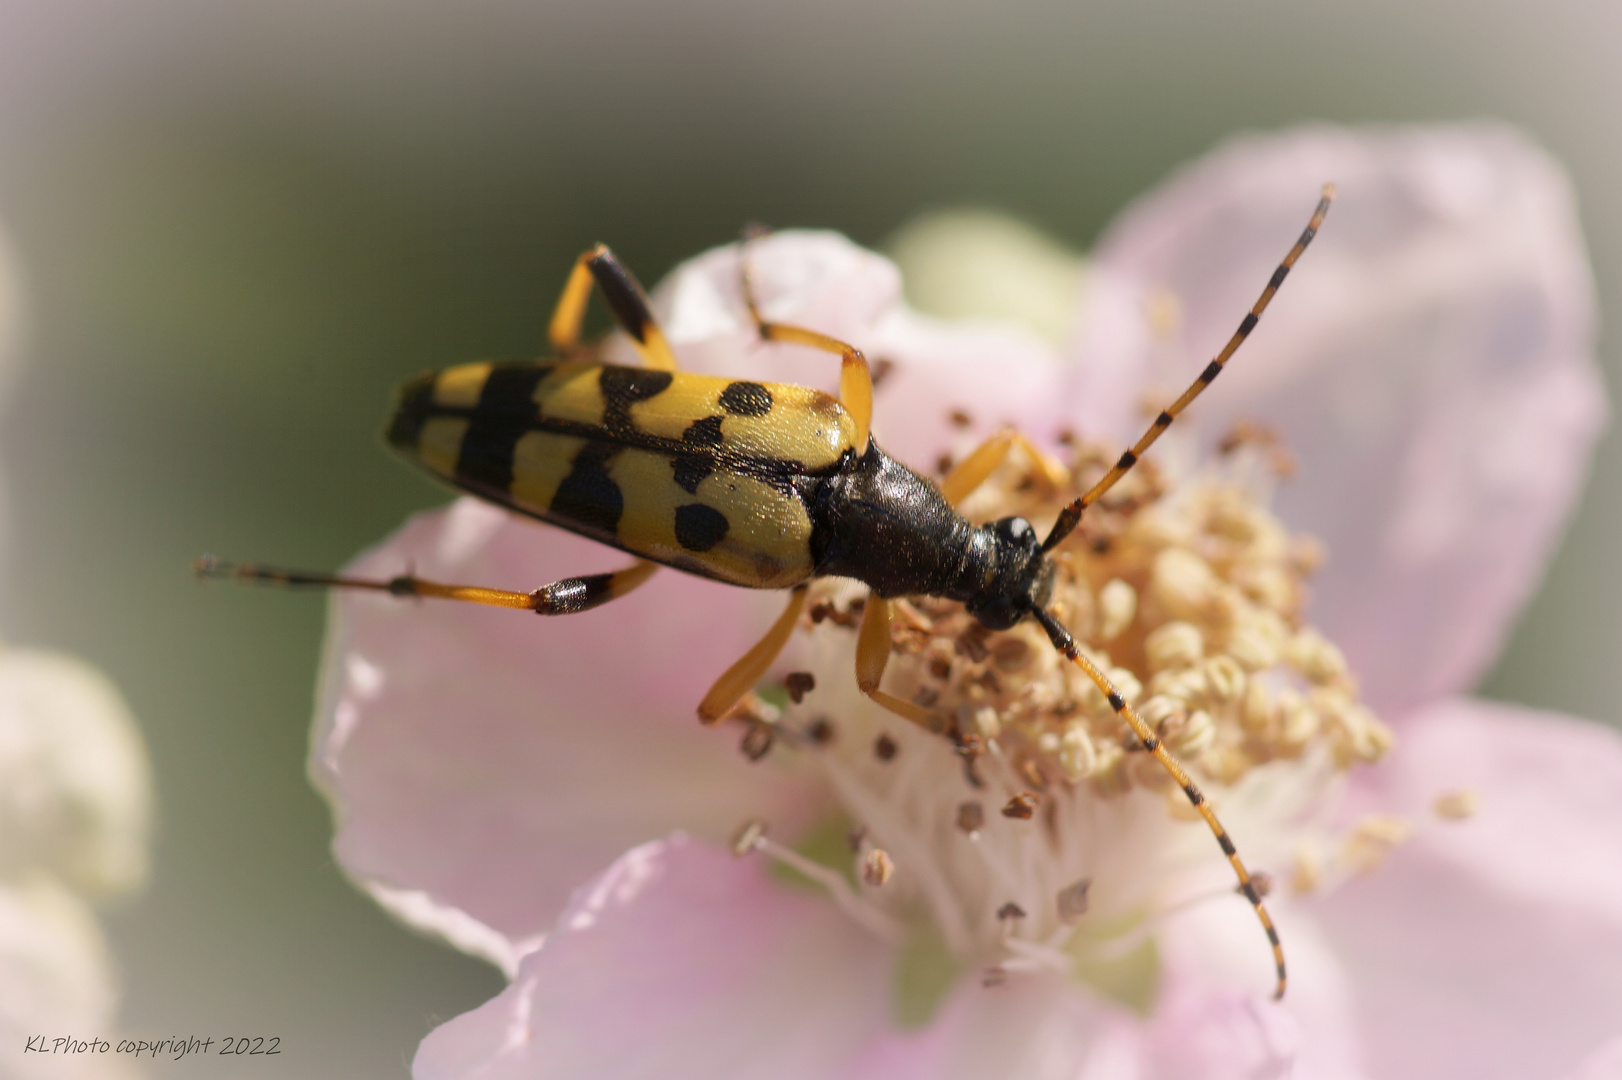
1036	833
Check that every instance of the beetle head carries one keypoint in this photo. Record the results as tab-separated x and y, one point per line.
1019	577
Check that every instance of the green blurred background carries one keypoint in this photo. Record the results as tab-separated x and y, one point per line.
241	225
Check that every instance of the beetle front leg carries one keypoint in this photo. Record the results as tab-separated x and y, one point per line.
873	653
973	470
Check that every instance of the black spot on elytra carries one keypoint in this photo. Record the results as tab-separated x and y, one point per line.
746	399
505	411
699	527
691	469
588	495
703	434
623	387
412	410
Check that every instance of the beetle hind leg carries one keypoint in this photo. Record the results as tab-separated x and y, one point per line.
626	299
742	676
568	596
576	594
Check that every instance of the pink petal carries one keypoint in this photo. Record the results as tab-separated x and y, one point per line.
1491	947
1041	1026
1108	381
997	374
679	961
1215	1016
1232	1036
1430	361
1603	1064
491	760
682	961
1033	1026
819	280
990	376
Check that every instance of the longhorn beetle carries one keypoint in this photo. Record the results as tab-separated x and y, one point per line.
763	485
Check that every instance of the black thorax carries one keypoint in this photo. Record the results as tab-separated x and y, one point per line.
879	522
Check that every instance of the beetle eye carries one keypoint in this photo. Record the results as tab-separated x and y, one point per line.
1015	530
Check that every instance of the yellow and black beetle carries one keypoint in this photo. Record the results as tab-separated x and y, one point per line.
762	485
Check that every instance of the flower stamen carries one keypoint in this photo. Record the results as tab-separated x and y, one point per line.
1187	599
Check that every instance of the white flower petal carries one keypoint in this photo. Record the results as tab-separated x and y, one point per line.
56	980
75	790
1430	360
680	961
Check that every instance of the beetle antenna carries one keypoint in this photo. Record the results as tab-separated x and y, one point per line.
1151	742
1071	515
209	568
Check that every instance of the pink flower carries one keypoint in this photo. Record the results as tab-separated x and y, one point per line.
539	793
